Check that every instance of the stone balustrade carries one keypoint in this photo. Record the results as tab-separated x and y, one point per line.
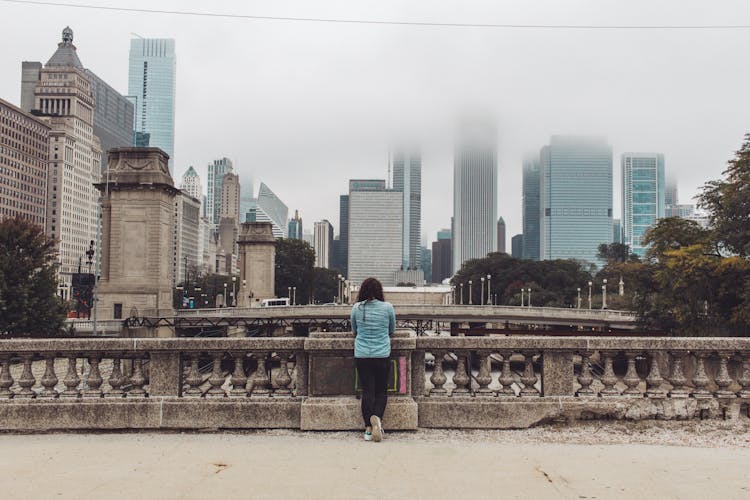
308	383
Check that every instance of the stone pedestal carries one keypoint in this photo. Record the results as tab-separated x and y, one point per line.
257	259
137	232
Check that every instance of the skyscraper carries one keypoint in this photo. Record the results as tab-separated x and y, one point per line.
516	246
24	158
531	206
642	196
375	235
271	206
323	243
152	79
341	255
191	184
216	172
670	197
576	198
407	179
294	229
63	100
441	256
230	197
501	235
475	193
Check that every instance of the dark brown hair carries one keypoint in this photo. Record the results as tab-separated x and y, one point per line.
370	289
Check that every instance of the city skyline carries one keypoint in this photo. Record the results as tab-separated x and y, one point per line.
681	65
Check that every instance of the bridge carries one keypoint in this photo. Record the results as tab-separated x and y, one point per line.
419	318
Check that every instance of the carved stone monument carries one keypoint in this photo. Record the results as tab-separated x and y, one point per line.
137	231
257	251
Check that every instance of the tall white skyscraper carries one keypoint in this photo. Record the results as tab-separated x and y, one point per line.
191	184
151	82
407	179
576	198
643	189
323	243
474	193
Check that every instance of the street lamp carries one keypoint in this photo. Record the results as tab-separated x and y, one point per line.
225	294
289	292
244	292
481	295
462	294
489	294
340	291
529	297
453	294
604	293
234	291
294	295
522	292
590	284
470	301
578	300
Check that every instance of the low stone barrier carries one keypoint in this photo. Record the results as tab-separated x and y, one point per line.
309	383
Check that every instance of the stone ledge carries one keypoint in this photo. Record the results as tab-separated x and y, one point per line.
344	413
521	413
151	413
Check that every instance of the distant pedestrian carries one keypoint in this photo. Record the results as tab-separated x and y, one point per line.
373	322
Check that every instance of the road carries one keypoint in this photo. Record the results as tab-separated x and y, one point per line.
616	461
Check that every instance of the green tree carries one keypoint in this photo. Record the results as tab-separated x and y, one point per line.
673	233
294	268
727	202
615	253
324	285
29	305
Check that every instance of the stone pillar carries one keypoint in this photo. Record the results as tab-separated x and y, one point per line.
137	232
257	251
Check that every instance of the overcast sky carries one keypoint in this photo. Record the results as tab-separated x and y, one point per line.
306	106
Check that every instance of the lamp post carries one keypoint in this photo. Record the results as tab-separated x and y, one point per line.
338	287
470	301
244	291
522	292
289	292
481	294
489	294
225	294
529	297
462	295
604	293
621	285
294	295
453	294
590	284
578	300
234	291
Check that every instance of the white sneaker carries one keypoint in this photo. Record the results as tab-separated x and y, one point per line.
377	428
368	436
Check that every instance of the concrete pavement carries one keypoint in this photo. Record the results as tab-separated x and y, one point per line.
425	464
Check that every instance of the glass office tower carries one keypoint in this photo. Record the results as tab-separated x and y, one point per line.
576	198
642	196
531	207
151	83
407	179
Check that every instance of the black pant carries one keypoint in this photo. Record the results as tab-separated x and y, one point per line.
373	378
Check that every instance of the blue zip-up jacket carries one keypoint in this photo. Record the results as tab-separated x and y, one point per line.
373	323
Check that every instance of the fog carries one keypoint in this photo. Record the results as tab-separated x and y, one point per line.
305	106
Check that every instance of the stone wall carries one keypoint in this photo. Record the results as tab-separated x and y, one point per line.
448	382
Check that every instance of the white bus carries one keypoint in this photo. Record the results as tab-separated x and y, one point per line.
274	302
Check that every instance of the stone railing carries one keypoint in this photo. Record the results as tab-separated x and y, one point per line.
309	383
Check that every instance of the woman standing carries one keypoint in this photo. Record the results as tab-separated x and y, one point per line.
373	322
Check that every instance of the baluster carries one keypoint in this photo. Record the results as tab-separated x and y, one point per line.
438	378
260	380
137	379
506	377
654	380
631	377
217	378
239	379
585	378
700	379
116	379
677	378
194	379
283	379
27	380
94	380
528	379
71	379
6	379
723	380
744	378
484	377
608	379
460	377
49	379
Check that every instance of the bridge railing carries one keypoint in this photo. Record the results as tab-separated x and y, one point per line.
454	382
